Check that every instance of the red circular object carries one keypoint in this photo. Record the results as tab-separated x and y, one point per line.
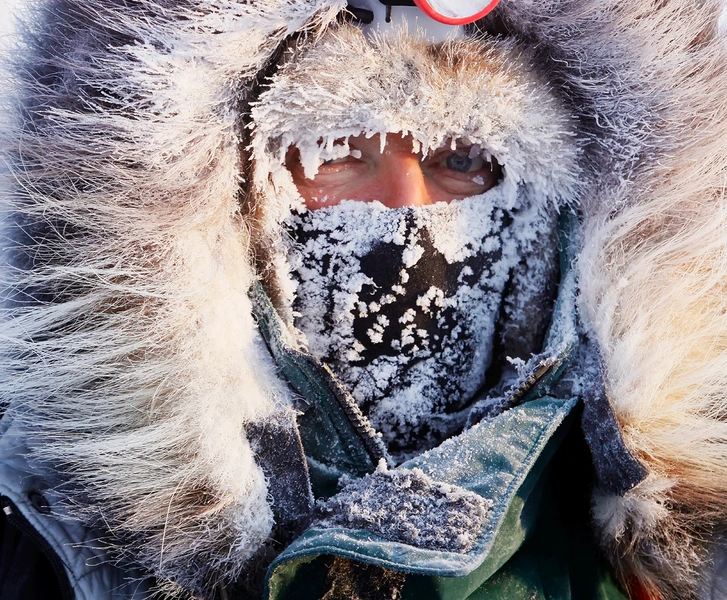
639	591
426	7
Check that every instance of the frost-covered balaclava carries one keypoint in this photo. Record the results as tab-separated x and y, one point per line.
403	303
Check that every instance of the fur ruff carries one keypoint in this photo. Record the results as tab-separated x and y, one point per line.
653	276
137	367
128	348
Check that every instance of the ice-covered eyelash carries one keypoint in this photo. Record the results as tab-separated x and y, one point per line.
353	154
329	149
468	150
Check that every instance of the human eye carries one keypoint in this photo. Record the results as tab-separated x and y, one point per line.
337	177
463	171
343	158
459	161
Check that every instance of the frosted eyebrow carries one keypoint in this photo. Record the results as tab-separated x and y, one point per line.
475	149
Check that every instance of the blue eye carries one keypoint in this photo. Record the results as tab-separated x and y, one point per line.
459	163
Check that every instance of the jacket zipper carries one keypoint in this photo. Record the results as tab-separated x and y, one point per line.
17	520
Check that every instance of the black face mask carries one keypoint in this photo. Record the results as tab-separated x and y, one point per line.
402	305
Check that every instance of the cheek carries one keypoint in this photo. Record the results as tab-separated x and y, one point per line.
309	190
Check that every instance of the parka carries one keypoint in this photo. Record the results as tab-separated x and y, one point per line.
166	428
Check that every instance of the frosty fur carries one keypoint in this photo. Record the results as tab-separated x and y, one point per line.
128	348
139	377
653	273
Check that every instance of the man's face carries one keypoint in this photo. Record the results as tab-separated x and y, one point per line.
396	177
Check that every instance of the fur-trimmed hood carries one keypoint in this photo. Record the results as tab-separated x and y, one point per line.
142	195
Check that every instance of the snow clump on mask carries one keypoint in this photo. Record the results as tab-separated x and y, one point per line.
402	303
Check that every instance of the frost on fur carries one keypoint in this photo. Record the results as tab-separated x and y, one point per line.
128	347
654	280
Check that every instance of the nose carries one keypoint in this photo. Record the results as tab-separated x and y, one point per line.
405	182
